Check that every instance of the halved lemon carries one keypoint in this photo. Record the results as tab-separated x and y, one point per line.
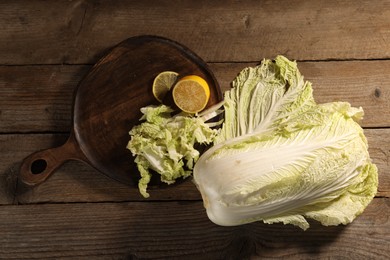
162	84
191	94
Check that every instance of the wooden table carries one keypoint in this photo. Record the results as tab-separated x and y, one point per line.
47	47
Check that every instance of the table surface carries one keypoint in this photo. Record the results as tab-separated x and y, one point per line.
47	47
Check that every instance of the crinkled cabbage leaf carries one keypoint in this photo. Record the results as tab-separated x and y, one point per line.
165	144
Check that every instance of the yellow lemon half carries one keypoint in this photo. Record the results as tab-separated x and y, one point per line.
191	94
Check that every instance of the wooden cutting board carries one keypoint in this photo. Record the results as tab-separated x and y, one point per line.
107	105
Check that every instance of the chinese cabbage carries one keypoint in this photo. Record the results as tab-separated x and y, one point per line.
280	157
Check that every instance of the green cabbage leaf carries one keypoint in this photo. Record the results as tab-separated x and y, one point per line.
166	144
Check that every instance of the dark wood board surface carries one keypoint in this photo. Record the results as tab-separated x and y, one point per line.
107	105
48	47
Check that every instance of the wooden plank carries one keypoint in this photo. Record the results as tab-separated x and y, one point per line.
379	149
77	182
39	98
74	32
177	230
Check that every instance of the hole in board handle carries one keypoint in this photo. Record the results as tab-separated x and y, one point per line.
38	166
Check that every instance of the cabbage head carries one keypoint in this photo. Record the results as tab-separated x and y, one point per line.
281	157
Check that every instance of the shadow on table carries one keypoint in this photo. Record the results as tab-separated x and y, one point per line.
281	241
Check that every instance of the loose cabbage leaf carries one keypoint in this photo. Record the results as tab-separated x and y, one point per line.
165	144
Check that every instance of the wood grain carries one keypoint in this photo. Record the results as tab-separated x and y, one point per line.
75	32
46	48
78	182
39	98
177	230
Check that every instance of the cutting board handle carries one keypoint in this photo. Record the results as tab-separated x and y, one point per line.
37	167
